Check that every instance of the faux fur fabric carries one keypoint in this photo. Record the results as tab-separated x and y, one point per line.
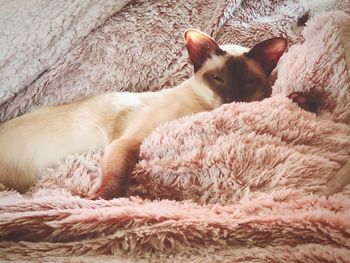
256	20
232	185
313	229
240	150
36	33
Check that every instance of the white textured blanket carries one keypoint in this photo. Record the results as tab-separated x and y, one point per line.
36	33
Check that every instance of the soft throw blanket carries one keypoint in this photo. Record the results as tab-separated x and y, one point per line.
230	185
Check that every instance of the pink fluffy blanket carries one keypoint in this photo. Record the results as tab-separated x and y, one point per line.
232	185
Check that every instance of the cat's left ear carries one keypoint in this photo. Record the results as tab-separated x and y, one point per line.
268	53
200	47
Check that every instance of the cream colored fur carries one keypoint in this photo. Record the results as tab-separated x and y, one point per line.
32	142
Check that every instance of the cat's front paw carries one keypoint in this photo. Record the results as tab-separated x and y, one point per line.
112	186
118	163
309	101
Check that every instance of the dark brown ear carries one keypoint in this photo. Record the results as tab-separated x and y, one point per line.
268	52
200	47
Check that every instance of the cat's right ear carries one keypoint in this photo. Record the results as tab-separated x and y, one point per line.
200	47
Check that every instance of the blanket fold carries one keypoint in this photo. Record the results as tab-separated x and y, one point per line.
137	226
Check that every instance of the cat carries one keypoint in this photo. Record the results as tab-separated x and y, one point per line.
119	121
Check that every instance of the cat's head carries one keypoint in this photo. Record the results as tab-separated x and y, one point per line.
234	73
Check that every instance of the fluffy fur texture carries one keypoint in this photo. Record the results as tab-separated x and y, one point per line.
238	150
240	177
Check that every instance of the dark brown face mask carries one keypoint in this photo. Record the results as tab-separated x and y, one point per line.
237	77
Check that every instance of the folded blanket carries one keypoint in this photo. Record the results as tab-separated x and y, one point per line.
234	184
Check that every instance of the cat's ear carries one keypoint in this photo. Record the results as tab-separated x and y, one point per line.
268	53
200	47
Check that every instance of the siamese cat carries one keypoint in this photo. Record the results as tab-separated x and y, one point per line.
120	121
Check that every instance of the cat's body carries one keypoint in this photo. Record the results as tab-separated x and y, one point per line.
34	141
120	121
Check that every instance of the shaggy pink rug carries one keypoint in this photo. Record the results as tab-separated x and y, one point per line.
232	185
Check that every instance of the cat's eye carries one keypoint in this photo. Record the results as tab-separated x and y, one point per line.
217	78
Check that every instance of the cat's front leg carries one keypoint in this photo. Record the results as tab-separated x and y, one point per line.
118	163
310	101
122	154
